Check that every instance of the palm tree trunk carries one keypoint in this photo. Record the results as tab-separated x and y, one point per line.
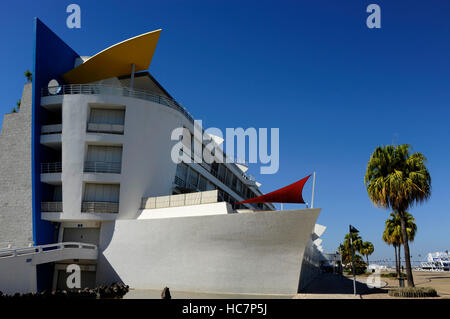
409	275
396	260
399	260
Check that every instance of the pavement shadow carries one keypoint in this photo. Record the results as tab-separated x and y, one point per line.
338	284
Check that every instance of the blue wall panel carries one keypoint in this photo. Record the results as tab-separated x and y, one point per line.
52	58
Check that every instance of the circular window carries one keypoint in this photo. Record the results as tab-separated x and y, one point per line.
54	87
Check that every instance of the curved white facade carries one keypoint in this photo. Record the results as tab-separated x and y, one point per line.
102	173
256	252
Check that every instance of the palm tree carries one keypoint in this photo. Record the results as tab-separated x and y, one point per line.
391	236
357	242
397	179
367	250
394	232
28	75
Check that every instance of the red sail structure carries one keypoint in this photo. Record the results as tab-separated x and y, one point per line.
289	194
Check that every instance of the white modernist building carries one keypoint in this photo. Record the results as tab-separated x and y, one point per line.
101	176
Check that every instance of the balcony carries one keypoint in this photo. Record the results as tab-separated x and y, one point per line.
51	129
51	207
55	167
105	128
102	167
100	207
117	91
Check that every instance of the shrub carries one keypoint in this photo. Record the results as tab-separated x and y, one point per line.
413	292
359	270
393	275
116	291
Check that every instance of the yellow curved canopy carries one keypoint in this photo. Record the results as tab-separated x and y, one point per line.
116	60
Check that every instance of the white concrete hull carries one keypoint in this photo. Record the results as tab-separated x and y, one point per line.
259	252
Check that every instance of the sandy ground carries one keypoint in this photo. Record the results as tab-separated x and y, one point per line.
329	286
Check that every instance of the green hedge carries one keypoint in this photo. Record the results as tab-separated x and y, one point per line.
413	292
393	275
113	291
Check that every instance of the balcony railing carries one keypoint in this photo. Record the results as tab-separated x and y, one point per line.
55	167
100	207
105	128
51	129
51	207
102	167
114	90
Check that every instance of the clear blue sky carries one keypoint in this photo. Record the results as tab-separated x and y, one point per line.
335	88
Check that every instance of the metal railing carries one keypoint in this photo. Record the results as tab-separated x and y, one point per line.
114	90
51	129
102	167
100	207
51	207
55	167
38	249
105	128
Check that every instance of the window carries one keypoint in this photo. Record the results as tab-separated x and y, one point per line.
202	184
193	178
233	181
221	173
181	171
103	159
110	154
107	116
57	193
228	177
101	193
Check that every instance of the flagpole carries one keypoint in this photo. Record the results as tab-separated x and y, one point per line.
314	184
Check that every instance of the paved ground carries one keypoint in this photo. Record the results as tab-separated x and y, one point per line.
326	286
155	294
330	286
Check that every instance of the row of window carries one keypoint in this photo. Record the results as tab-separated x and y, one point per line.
191	180
223	173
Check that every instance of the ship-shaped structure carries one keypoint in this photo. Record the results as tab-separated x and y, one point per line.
87	179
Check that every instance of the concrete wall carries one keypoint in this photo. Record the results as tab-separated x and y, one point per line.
310	265
194	210
147	168
179	200
15	176
17	274
259	252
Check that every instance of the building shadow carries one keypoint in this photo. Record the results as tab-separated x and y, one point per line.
338	284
